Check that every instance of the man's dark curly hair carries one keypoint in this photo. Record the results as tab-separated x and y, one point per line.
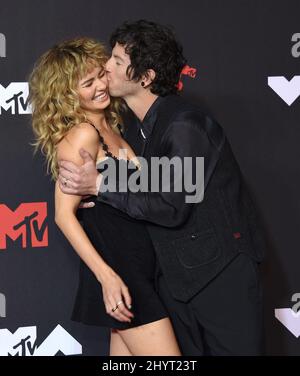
151	46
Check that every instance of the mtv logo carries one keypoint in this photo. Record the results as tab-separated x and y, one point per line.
289	91
15	98
2	45
27	222
23	343
289	319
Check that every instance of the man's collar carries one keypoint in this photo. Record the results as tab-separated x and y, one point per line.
149	120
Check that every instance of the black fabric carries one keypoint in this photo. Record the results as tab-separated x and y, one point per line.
193	242
225	318
149	120
125	245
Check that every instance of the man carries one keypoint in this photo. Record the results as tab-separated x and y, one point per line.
207	251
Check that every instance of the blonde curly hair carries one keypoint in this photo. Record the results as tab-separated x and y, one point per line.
53	96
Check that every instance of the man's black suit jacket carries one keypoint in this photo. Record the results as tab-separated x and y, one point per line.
193	242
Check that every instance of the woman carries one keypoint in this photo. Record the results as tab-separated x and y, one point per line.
72	110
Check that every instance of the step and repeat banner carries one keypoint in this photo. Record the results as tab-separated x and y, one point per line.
243	68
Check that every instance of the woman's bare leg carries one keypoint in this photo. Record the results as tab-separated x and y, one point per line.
155	338
117	345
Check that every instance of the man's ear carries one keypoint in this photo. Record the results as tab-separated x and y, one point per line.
148	77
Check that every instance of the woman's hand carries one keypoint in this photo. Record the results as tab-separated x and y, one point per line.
115	295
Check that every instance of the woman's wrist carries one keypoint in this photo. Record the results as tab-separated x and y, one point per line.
102	271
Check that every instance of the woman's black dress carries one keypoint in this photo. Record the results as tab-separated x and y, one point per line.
126	247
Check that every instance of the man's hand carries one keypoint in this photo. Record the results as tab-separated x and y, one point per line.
83	180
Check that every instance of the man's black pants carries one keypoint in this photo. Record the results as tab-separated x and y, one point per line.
225	318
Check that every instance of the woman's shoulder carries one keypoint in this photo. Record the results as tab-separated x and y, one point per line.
83	131
81	136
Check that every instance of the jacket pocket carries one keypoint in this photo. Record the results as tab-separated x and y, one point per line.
189	262
197	249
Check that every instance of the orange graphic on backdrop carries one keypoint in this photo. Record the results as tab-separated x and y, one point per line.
186	71
28	222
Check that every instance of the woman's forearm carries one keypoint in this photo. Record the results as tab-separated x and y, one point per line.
71	228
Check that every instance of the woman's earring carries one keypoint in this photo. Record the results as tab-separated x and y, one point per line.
143	83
